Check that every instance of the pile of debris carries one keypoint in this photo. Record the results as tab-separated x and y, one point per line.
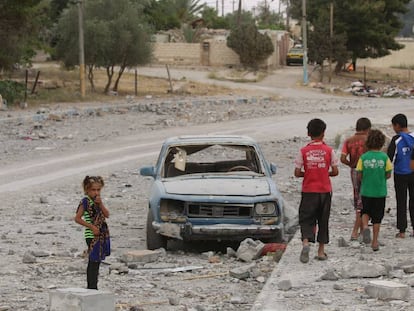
360	89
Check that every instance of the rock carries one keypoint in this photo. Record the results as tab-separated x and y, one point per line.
387	290
342	242
363	270
44	200
284	285
249	250
408	269
241	273
28	258
140	256
330	275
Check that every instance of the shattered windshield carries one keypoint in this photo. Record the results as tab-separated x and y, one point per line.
216	158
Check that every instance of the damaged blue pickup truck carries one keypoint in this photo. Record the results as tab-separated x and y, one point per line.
212	188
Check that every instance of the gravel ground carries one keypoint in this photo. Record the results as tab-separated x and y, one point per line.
41	247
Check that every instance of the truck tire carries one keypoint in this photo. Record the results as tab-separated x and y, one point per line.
154	239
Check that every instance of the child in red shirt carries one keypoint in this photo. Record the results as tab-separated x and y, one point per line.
352	149
315	163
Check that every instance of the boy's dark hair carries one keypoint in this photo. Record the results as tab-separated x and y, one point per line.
316	127
400	119
375	140
363	124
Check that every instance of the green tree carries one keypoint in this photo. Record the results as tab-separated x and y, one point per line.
251	46
116	36
212	20
20	22
408	21
169	14
57	7
321	46
161	16
370	27
268	19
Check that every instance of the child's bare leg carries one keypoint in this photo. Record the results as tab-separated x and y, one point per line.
321	250
304	254
366	234
357	225
364	221
375	233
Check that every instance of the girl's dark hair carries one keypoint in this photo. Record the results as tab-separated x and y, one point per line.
316	127
89	180
375	140
363	124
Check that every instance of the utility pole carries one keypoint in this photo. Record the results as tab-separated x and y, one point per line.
81	50
222	8
330	40
305	44
239	13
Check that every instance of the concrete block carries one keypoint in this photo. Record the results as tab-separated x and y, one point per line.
387	290
143	256
81	299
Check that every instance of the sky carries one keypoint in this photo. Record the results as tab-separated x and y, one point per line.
247	5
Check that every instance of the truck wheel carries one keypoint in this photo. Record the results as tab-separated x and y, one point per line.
154	239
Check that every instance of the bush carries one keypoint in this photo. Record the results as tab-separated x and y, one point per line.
251	46
11	91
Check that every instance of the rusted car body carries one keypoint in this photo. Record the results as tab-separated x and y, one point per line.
212	188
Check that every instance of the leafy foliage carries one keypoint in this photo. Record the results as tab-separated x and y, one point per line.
268	19
11	90
408	21
212	20
169	14
369	27
251	46
115	33
19	25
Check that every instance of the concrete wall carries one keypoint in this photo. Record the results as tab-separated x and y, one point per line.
221	55
404	57
177	53
216	53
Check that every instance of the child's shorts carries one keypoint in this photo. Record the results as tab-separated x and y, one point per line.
374	207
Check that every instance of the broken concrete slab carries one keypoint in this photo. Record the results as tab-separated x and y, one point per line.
142	256
387	290
81	299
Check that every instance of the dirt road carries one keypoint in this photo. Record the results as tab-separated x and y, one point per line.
43	162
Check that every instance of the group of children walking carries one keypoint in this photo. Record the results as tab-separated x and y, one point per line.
370	168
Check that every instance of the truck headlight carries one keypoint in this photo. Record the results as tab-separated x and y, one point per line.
266	208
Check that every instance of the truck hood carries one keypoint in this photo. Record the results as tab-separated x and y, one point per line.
231	187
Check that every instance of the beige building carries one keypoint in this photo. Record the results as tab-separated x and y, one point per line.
214	52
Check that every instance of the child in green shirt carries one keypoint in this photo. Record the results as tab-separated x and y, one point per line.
374	168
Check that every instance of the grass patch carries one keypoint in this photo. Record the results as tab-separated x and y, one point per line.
63	86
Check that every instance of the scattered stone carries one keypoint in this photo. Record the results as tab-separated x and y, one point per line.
231	252
140	256
44	200
337	286
330	275
241	273
174	301
249	250
342	242
284	285
387	290
408	269
40	253
29	258
363	270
